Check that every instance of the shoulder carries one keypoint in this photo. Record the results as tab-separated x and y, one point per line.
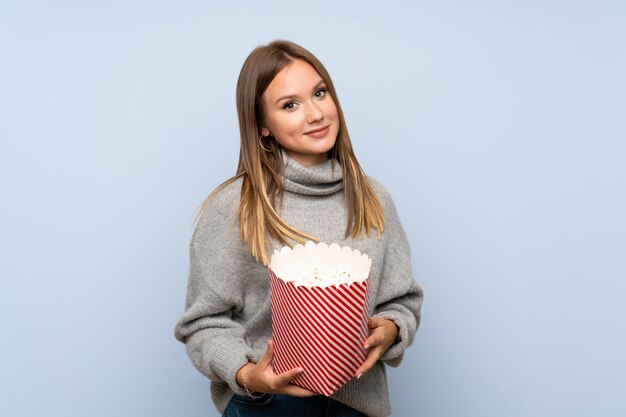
226	198
381	192
221	207
386	201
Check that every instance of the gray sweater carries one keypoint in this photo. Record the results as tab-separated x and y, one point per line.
227	318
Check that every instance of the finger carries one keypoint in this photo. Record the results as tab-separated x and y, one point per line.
370	342
376	338
286	377
374	322
267	357
297	391
372	357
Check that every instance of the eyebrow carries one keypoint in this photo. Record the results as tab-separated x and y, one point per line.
320	82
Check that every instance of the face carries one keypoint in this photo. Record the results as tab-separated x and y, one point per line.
300	113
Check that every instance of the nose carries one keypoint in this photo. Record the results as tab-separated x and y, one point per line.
314	113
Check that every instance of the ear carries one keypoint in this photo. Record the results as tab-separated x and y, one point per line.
265	131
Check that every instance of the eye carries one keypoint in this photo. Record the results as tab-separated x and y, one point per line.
321	92
290	105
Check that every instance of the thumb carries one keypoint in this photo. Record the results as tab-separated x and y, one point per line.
286	377
266	360
373	322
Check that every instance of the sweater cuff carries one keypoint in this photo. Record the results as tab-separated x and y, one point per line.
393	356
228	359
220	357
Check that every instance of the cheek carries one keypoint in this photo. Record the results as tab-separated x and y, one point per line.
331	109
290	122
274	123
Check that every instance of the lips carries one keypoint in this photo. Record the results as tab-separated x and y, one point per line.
316	132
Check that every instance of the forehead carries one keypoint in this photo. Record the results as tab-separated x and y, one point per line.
297	77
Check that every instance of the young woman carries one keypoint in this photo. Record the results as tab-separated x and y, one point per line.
298	179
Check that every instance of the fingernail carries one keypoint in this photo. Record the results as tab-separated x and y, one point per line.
366	346
299	370
359	375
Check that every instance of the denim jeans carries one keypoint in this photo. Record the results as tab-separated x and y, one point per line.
280	405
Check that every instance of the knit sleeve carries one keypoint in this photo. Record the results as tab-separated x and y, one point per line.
399	296
214	339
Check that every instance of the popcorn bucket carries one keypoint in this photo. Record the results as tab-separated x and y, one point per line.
320	299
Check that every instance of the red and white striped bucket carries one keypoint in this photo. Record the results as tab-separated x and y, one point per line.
319	328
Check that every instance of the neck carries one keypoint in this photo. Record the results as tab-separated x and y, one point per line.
323	178
307	160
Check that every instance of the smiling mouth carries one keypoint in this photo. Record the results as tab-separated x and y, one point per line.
322	129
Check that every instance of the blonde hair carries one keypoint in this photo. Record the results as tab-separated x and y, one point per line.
262	171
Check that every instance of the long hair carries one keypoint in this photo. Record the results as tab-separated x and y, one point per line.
262	171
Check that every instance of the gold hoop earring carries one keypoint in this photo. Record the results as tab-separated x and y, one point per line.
264	148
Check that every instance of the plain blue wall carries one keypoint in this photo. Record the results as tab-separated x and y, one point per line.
498	128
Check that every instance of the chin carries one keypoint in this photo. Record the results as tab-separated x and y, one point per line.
325	149
330	144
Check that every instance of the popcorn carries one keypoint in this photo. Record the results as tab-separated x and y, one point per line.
320	301
317	278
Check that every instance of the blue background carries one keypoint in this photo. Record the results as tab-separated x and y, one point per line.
498	127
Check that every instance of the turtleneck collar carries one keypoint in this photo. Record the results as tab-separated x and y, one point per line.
320	179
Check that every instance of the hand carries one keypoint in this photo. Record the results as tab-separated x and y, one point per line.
383	334
262	378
